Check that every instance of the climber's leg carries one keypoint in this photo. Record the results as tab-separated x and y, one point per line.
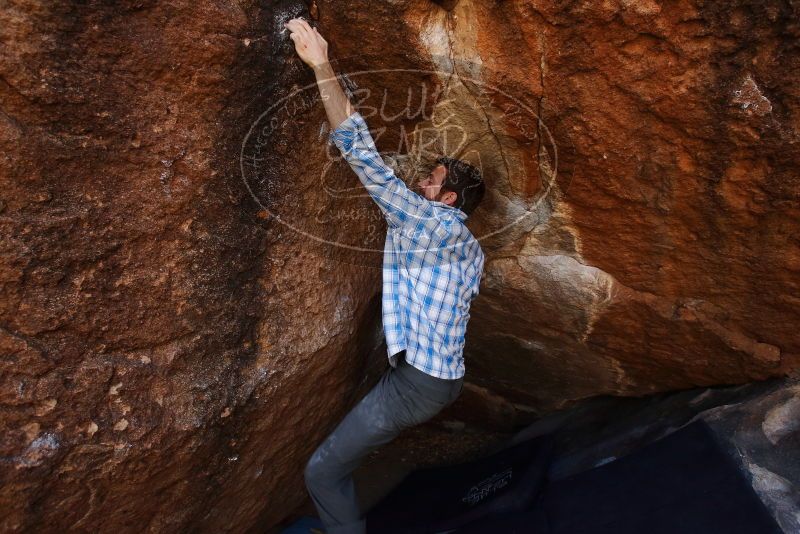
403	397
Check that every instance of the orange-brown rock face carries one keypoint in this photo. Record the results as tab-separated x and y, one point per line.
191	283
665	255
170	355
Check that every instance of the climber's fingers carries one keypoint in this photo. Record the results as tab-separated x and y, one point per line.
308	43
313	33
306	26
295	30
301	26
290	24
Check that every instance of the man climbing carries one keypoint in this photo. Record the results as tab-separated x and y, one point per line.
432	268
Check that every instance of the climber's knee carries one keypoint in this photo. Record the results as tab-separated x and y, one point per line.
310	471
315	468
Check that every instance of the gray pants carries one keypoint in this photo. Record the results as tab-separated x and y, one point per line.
404	396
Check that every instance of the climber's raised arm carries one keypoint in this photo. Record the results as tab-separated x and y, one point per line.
351	135
313	50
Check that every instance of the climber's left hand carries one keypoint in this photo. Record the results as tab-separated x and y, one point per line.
308	43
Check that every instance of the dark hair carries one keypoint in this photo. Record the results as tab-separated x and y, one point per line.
465	181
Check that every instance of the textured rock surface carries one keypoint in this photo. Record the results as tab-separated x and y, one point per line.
665	255
173	348
755	423
169	357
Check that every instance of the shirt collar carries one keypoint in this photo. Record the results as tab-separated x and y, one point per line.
458	213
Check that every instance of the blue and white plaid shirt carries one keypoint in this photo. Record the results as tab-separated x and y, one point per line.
432	264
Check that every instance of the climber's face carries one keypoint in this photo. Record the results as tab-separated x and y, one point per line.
431	187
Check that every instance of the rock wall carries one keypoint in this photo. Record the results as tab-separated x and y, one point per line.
169	356
668	258
191	282
756	424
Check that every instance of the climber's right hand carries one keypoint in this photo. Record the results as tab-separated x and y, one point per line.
308	43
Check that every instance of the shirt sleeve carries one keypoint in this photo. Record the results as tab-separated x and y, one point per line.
397	202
